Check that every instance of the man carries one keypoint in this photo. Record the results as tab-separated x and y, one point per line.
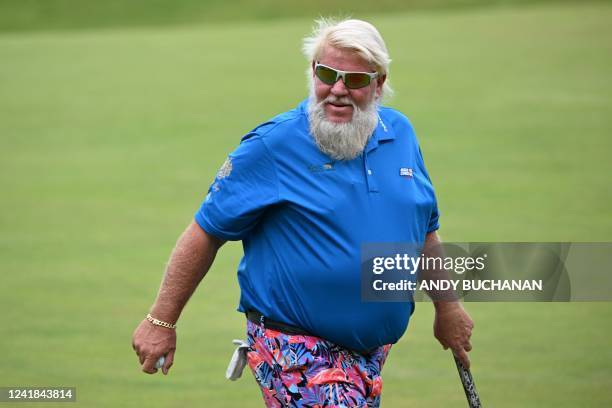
303	191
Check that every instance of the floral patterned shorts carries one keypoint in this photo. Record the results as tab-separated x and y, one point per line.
307	371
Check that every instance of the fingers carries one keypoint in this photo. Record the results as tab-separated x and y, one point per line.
168	363
149	364
463	357
456	344
138	353
461	348
141	355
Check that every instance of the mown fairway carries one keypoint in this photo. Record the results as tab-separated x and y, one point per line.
110	137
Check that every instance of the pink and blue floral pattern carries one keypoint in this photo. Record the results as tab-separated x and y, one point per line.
306	371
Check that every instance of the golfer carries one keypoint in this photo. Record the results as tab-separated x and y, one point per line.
302	192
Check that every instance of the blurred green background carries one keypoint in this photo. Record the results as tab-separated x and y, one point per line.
115	116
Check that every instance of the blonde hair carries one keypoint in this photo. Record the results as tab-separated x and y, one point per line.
349	34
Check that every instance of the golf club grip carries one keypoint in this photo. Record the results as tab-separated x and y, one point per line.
468	384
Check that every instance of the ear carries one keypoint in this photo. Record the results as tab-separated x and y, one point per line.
380	81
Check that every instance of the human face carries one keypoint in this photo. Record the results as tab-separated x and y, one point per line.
338	98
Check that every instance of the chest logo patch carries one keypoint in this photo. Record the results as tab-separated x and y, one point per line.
405	172
318	168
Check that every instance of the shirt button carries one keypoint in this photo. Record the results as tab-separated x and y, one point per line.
369	172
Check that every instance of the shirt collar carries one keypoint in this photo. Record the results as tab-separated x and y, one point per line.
303	106
383	132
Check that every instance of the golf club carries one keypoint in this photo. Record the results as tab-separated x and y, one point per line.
468	384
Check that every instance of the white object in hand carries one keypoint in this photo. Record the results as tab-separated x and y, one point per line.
160	362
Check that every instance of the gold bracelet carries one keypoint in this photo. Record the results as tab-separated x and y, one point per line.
158	322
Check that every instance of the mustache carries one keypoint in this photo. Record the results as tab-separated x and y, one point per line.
339	101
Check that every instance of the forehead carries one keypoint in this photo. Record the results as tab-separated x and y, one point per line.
344	59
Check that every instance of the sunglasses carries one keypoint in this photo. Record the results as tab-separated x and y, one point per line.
352	80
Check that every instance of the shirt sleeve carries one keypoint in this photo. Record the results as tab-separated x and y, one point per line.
244	187
434	223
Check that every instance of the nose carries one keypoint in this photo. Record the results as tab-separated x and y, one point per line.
339	88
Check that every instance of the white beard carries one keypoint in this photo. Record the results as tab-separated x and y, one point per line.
341	141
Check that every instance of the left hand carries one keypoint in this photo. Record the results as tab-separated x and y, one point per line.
453	329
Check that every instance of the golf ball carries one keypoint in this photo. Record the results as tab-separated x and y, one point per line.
160	362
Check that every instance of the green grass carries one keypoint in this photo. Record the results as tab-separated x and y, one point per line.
18	15
109	139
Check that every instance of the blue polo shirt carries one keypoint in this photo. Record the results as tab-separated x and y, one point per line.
302	218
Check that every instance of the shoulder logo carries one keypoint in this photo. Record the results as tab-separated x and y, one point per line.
225	170
405	172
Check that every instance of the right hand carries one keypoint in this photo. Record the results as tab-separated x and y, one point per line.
453	329
151	342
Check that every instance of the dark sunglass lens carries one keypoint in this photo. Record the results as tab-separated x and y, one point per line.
326	75
356	81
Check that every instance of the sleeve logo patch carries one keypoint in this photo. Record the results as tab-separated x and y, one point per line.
225	170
